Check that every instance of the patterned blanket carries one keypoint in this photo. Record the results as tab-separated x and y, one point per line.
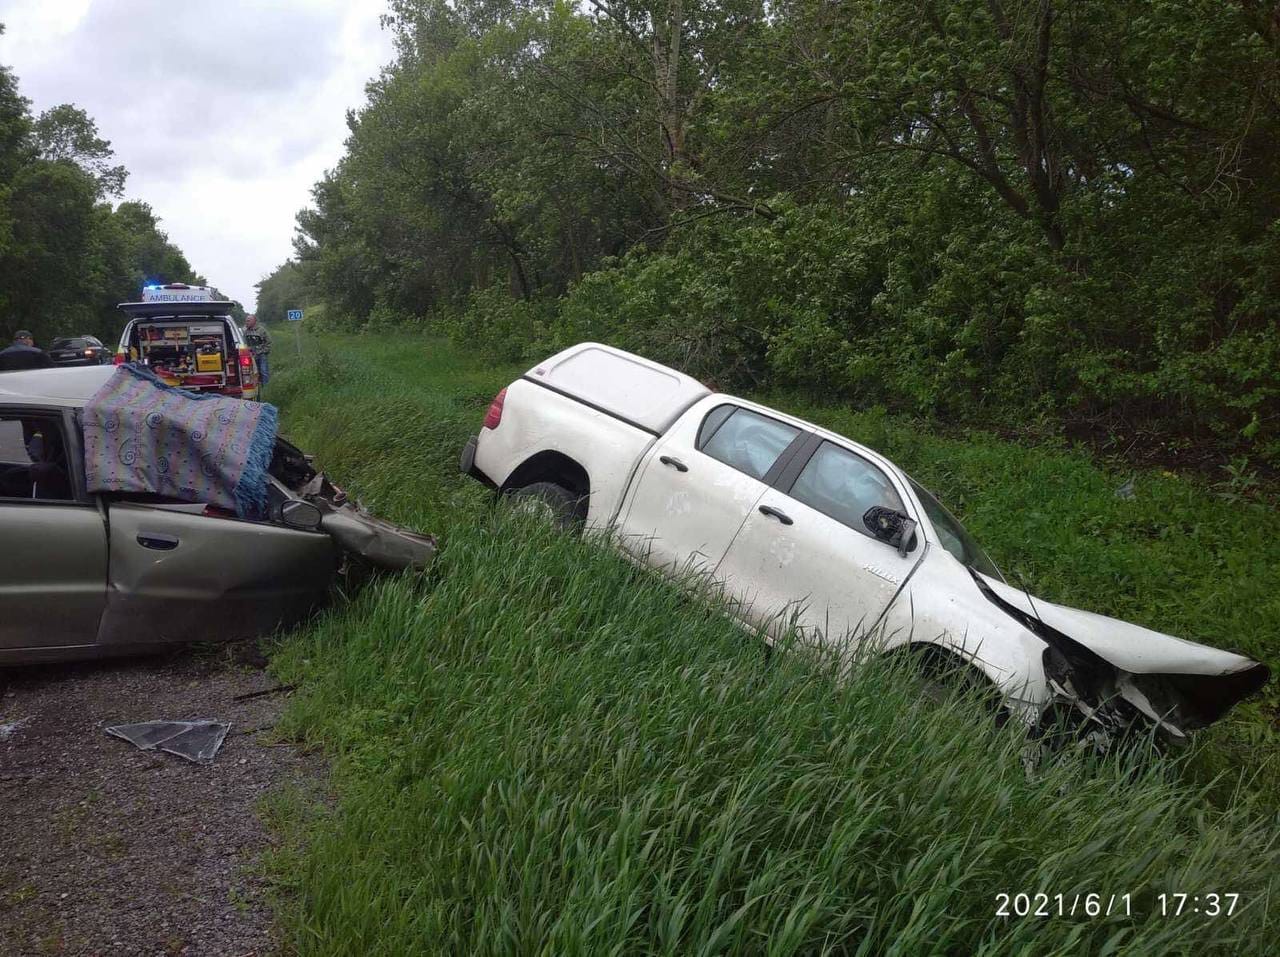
141	435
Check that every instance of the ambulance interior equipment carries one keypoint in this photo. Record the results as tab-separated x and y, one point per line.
193	354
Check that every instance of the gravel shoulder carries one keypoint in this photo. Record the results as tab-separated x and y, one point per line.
105	849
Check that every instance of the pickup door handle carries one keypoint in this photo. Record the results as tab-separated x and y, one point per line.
158	540
777	513
674	463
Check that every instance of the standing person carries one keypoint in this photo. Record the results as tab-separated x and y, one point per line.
259	344
23	354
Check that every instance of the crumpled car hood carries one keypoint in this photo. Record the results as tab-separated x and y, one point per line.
1181	685
1128	646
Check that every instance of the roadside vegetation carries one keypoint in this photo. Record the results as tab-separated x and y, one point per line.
1050	217
539	747
69	250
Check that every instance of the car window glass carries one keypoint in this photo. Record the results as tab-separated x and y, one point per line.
750	442
844	486
711	424
954	537
33	458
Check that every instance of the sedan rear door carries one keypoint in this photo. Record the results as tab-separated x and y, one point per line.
53	544
805	556
179	575
700	480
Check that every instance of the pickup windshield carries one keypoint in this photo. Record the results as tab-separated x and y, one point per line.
953	536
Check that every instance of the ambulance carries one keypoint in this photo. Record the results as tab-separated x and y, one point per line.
186	335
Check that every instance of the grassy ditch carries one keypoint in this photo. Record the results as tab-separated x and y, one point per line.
540	748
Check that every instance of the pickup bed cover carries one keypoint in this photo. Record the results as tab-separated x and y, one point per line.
636	390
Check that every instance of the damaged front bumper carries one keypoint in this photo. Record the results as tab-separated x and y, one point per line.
362	534
1103	701
1113	703
353	528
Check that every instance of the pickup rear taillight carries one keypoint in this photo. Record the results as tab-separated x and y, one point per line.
246	360
494	416
118	359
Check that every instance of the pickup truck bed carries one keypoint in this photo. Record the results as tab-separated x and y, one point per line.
607	406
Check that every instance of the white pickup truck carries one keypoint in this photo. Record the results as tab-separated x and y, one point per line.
807	530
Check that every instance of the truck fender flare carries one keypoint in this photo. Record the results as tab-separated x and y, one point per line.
549	466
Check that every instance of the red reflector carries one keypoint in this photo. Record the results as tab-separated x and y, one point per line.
118	359
494	415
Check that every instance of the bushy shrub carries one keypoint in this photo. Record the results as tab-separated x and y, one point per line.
954	308
491	321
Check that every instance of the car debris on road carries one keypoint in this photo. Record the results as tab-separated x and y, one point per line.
197	741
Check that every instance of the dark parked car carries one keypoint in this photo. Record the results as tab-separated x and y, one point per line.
79	351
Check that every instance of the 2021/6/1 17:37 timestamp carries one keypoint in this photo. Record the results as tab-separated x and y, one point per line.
1113	905
1207	905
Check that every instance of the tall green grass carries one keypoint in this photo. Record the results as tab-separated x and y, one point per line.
540	748
389	415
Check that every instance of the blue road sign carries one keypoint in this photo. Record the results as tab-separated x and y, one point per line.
295	315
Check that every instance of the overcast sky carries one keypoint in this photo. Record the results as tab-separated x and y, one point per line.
225	112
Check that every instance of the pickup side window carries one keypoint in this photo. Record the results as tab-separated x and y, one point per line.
711	423
745	440
843	486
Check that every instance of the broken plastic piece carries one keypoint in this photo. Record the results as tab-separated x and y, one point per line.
196	741
377	541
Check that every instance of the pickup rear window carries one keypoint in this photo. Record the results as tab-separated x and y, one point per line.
745	440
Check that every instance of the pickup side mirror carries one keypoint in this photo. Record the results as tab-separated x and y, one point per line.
301	515
891	527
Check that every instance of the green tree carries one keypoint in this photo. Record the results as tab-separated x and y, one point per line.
66	133
66	256
1018	210
286	287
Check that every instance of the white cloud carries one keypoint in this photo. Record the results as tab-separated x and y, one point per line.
225	112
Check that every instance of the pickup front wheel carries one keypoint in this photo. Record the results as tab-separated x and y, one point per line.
565	509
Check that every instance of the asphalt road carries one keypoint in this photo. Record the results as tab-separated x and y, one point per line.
105	849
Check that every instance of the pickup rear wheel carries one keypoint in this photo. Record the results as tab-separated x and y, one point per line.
565	509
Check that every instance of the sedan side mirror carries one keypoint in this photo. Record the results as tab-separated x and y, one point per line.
891	527
300	515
